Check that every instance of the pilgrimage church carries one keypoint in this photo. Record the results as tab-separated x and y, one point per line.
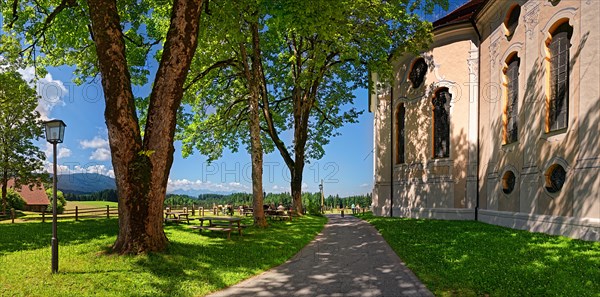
499	121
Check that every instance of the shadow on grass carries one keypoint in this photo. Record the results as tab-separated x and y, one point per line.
29	236
194	264
472	258
210	259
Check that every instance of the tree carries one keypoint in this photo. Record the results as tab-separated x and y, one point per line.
314	54
20	159
113	39
61	202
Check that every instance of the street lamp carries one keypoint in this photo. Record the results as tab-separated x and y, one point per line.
322	197
55	132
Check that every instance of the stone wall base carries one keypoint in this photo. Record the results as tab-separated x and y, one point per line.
580	228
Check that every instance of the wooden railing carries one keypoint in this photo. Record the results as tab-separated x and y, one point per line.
101	212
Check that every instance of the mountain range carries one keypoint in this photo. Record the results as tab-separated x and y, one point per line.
87	183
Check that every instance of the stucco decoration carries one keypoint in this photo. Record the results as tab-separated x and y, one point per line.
494	46
531	17
473	63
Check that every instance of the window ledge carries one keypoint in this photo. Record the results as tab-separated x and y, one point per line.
556	135
509	147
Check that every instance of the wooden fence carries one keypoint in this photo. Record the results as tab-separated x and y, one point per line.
101	212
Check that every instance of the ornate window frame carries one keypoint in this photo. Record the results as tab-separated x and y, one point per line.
567	14
510	106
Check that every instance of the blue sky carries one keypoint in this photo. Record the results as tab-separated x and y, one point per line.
346	168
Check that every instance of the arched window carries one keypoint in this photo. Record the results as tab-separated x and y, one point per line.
417	72
512	20
558	97
441	123
511	110
400	118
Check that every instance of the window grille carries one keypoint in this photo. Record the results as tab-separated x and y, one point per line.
512	104
400	119
558	103
441	123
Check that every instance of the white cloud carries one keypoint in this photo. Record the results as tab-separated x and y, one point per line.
365	185
95	143
63	152
101	148
198	185
49	89
100	154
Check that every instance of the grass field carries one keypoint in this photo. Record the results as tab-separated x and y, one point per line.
89	204
193	265
468	258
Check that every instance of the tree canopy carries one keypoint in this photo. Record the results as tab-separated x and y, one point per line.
20	159
313	56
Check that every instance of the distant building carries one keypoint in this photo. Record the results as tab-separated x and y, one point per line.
35	198
498	121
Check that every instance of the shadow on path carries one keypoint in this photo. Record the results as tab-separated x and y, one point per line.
349	258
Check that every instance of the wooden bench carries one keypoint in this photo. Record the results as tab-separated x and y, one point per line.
213	228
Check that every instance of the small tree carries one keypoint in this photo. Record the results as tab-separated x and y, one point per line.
60	202
15	200
19	125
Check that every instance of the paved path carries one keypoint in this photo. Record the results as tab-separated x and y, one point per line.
348	258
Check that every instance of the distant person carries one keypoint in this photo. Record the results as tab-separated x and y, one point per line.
280	207
357	208
353	207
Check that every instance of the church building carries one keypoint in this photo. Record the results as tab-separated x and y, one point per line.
498	121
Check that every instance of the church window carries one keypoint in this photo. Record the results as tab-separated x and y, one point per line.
400	119
417	73
558	101
441	123
511	109
512	20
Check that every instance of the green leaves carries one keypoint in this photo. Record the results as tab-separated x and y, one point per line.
20	159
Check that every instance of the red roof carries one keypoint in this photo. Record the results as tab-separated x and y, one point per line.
461	14
33	196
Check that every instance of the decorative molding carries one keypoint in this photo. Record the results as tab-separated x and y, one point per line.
531	17
473	63
494	46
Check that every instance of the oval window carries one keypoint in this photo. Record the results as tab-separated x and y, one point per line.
417	73
508	182
555	178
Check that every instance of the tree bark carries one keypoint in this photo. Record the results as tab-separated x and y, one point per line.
252	72
142	166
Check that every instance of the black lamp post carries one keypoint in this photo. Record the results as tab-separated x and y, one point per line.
322	197
55	132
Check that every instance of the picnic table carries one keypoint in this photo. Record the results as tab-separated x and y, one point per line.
174	216
278	214
223	224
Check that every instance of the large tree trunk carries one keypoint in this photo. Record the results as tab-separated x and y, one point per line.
296	184
142	166
252	74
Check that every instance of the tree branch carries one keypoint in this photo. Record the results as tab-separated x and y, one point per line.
220	64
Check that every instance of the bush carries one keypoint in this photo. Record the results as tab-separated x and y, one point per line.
61	203
313	208
14	200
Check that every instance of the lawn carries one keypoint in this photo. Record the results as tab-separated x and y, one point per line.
468	258
89	204
193	265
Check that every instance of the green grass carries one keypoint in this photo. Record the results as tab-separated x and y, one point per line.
193	265
89	204
468	258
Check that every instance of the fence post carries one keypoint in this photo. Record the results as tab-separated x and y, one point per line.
193	209
107	212
76	213
203	211
12	215
44	215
